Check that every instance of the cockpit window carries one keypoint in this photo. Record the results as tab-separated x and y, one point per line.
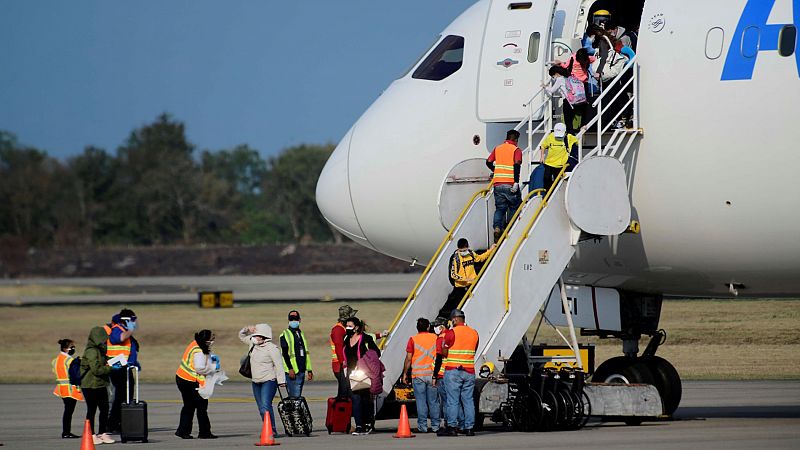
443	61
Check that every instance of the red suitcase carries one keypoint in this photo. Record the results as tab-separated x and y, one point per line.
339	412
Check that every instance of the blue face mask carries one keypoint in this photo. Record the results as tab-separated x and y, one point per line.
294	324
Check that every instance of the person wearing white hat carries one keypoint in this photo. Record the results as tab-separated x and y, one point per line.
266	365
556	149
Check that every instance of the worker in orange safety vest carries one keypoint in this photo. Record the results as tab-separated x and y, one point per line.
505	161
69	393
420	358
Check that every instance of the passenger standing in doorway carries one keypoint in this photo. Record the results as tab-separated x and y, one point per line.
94	384
337	338
420	358
266	364
557	148
504	162
460	345
462	273
70	394
296	357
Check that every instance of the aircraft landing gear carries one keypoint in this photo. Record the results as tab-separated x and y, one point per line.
645	369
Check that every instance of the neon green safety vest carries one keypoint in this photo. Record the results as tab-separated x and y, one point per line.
289	336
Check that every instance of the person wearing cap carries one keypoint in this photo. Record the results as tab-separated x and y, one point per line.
420	358
460	345
338	334
296	356
266	365
504	162
121	342
559	149
439	329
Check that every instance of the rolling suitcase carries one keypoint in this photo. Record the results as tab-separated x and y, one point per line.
339	412
133	414
295	415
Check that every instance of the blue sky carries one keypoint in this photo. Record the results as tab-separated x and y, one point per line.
268	73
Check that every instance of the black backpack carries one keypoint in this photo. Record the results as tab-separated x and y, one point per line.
74	371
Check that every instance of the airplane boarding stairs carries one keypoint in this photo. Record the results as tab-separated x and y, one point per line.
528	261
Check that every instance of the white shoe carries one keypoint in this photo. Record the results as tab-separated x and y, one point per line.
106	438
96	439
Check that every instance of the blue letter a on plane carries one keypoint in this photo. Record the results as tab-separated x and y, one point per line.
754	35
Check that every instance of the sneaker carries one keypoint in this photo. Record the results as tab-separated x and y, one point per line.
183	436
368	429
96	439
69	436
106	438
359	431
213	436
469	432
497	233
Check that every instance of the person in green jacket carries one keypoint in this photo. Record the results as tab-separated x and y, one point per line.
94	384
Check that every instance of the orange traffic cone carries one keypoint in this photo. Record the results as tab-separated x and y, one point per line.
267	438
403	430
87	440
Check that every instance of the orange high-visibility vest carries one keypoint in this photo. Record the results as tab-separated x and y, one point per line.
107	327
504	163
63	388
424	355
123	348
462	353
186	368
334	356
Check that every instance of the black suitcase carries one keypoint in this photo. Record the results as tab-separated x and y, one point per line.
295	415
133	414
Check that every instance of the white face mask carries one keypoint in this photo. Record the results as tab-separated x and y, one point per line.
438	330
464	252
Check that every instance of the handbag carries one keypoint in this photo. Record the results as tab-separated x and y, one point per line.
359	380
244	364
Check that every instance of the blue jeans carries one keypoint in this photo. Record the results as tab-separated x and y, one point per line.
505	205
427	397
264	393
295	387
460	386
441	387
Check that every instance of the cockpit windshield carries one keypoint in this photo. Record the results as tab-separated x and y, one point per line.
443	61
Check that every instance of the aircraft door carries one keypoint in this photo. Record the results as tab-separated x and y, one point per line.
515	52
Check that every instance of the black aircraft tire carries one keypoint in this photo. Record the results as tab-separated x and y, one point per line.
667	381
609	367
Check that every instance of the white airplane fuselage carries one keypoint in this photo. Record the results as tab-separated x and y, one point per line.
712	176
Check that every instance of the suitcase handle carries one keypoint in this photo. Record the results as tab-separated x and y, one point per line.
128	384
281	393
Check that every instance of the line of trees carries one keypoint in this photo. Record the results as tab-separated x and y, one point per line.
157	190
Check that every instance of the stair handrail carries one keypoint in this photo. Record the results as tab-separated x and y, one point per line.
633	66
447	238
542	205
502	238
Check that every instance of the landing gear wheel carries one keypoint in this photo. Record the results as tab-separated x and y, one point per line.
667	381
624	370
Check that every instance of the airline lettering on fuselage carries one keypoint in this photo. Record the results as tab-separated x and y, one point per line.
754	35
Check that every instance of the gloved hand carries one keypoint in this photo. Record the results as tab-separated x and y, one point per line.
130	325
515	188
215	360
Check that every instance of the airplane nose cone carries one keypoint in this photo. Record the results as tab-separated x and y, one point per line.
333	193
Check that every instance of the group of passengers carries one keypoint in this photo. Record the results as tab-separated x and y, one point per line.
606	50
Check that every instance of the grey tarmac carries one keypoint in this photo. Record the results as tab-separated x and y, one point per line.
183	289
713	415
